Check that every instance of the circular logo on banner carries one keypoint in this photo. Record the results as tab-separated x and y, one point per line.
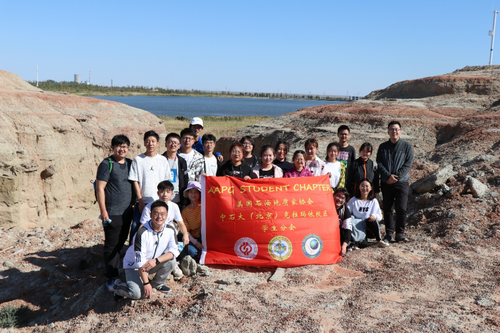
312	245
280	248
246	248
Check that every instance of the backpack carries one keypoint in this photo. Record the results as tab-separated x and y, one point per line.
94	182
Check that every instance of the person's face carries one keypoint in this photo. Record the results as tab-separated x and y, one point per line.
365	154
365	188
209	145
248	146
172	144
120	151
311	151
332	153
339	199
194	195
299	161
151	144
267	157
197	129
282	152
159	216
236	154
344	136
165	195
187	141
394	132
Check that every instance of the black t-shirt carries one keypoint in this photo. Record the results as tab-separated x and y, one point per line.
119	192
240	171
251	161
346	156
266	174
285	165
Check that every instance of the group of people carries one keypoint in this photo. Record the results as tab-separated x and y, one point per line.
152	190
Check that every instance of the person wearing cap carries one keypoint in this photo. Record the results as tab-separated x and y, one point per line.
196	124
192	218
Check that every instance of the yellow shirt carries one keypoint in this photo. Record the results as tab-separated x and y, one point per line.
192	219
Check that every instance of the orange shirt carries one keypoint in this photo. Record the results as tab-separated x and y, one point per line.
192	219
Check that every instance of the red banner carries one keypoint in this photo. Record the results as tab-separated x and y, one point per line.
273	222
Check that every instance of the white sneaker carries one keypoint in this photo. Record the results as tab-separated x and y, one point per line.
383	243
177	273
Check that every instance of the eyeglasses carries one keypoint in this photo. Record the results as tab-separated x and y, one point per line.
187	138
394	130
173	143
158	214
246	144
236	152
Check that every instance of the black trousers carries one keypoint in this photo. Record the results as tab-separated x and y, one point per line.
115	235
395	197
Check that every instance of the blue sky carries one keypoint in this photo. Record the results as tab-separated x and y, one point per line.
333	47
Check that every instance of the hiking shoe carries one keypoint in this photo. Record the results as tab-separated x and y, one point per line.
117	298
177	273
401	238
383	243
163	289
110	284
363	244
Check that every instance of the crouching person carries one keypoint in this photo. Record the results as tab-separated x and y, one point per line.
153	251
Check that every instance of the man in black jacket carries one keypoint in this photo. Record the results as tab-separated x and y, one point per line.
394	159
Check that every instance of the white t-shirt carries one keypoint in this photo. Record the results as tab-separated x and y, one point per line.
149	171
316	166
363	209
335	169
188	157
174	214
211	165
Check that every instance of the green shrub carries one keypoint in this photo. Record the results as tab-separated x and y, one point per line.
11	316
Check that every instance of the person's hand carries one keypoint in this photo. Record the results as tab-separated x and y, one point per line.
141	205
392	179
344	249
199	246
151	263
104	216
148	291
247	178
185	239
372	218
220	158
329	175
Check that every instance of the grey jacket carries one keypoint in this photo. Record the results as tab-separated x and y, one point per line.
395	160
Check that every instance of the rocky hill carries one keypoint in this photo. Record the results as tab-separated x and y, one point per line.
50	146
446	279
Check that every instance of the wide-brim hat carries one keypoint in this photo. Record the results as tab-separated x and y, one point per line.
192	184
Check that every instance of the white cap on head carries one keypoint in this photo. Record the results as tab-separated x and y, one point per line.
196	121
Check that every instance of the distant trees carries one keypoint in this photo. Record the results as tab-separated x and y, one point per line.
91	89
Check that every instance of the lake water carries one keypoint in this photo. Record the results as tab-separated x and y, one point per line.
214	106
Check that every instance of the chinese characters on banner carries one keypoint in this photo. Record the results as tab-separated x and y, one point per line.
273	222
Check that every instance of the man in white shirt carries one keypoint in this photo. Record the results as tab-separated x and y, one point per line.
195	161
211	162
147	170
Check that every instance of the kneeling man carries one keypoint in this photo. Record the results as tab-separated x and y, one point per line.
153	251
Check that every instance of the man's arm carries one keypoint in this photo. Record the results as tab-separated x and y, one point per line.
138	194
384	173
101	199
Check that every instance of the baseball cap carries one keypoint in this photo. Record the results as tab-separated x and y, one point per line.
196	121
